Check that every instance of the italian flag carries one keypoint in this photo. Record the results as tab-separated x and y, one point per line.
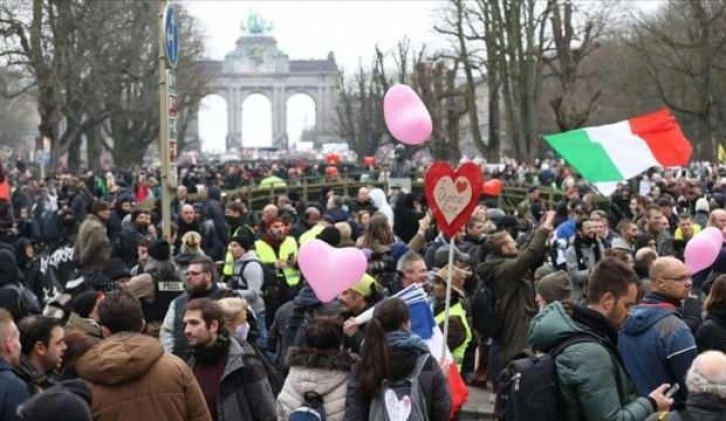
607	155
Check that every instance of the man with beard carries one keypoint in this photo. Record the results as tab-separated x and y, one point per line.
132	235
42	350
582	256
200	284
124	203
511	272
279	252
232	378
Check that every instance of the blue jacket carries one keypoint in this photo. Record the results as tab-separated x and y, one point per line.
566	229
657	347
13	392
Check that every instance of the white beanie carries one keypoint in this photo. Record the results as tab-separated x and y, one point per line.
702	205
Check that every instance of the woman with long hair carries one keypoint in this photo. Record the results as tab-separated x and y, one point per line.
391	353
711	335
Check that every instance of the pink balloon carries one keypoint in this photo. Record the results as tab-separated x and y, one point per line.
330	271
406	116
715	234
701	251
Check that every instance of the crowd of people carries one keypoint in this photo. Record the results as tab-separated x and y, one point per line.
102	318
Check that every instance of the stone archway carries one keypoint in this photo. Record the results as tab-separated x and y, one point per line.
256	65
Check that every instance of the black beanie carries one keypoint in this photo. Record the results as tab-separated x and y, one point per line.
245	241
83	303
330	235
70	398
160	250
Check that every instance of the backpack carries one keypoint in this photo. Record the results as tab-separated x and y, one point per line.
312	409
386	404
272	289
529	387
484	304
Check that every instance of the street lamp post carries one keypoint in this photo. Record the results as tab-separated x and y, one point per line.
168	58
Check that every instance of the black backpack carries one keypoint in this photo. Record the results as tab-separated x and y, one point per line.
271	285
312	409
484	304
529	387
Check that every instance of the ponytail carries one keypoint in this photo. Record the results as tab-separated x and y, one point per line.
375	364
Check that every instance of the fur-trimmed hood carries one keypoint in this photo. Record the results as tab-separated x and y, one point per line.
314	358
311	370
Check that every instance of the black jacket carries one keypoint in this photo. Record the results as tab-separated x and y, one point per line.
711	335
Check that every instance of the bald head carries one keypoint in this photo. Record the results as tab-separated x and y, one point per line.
717	219
269	212
187	213
665	266
708	374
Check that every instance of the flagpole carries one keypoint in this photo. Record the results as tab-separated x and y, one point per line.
447	308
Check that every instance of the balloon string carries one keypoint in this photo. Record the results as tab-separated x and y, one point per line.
447	307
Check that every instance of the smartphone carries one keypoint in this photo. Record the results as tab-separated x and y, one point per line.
672	391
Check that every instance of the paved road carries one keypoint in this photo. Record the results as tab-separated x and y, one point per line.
480	405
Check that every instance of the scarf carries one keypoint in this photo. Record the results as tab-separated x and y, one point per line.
595	322
208	355
402	339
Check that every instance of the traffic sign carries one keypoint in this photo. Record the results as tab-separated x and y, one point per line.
171	36
172	129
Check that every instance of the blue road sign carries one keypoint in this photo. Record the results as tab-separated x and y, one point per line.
171	36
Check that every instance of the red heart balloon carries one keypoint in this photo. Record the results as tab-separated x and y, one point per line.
492	187
452	194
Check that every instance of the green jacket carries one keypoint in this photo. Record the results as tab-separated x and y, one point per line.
586	371
515	291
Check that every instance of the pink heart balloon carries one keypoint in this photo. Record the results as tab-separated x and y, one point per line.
701	251
330	271
406	116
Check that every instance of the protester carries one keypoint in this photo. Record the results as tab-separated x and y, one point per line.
42	351
131	377
391	352
13	391
319	367
656	345
234	384
592	381
711	335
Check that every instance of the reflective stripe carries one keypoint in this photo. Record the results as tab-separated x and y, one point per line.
457	310
288	249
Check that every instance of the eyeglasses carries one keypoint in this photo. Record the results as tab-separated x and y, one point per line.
683	278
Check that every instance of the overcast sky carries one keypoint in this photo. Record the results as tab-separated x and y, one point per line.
309	30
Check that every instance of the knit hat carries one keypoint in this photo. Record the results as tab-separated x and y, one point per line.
70	398
83	303
160	250
365	285
555	287
330	235
99	206
245	241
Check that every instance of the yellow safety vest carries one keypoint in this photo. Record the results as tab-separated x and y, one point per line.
311	234
288	250
457	310
228	268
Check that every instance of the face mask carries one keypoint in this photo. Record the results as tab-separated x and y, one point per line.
242	330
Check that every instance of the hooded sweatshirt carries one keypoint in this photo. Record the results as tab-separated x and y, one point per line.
132	379
657	346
